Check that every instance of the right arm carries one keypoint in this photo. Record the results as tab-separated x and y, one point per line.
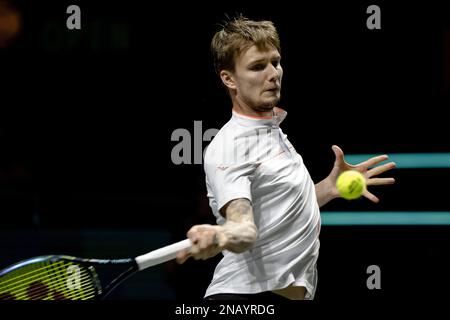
237	234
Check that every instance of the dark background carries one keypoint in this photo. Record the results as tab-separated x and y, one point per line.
87	116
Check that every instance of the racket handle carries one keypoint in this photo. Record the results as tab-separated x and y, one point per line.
161	255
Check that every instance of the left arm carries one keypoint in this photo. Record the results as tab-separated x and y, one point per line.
326	189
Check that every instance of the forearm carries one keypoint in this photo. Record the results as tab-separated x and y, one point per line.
239	232
325	192
238	236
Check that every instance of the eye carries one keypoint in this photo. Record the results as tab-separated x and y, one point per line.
257	67
276	63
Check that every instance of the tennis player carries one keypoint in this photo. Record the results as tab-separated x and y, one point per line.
264	200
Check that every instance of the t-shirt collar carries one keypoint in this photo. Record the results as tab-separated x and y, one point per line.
278	116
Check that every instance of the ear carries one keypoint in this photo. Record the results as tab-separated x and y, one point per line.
227	79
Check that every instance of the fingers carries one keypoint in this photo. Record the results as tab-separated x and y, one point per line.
370	196
373	161
380	169
380	181
182	256
364	168
207	239
204	240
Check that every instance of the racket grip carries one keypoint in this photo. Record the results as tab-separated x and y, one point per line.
161	255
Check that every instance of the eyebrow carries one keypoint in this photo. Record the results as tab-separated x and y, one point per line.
264	59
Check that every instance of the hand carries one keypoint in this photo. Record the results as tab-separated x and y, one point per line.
207	241
340	166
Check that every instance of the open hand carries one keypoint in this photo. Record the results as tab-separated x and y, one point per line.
368	168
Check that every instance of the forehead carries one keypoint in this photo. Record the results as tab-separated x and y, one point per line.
254	53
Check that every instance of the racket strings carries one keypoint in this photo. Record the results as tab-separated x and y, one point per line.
30	280
38	288
60	282
48	281
35	272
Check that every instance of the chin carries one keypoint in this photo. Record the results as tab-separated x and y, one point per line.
270	104
265	107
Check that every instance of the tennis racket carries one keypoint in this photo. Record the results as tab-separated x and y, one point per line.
60	277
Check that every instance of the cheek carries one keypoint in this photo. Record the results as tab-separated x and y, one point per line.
256	84
251	84
280	72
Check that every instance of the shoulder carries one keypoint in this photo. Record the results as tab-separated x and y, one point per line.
221	145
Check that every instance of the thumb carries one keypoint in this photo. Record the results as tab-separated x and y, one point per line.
339	154
182	256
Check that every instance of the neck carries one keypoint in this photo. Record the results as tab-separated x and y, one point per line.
246	110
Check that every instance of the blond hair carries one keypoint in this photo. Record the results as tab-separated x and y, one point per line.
237	36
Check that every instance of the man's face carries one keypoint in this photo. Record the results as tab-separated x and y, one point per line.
257	78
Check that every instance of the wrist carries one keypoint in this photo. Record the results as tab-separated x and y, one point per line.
332	192
221	237
326	191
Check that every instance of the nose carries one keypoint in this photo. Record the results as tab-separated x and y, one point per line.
275	73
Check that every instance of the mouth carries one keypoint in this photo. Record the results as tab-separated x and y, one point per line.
274	89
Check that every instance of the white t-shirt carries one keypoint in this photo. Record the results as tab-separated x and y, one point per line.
251	158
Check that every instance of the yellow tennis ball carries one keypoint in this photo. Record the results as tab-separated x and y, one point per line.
351	184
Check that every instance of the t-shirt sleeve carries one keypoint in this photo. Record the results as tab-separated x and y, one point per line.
229	182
